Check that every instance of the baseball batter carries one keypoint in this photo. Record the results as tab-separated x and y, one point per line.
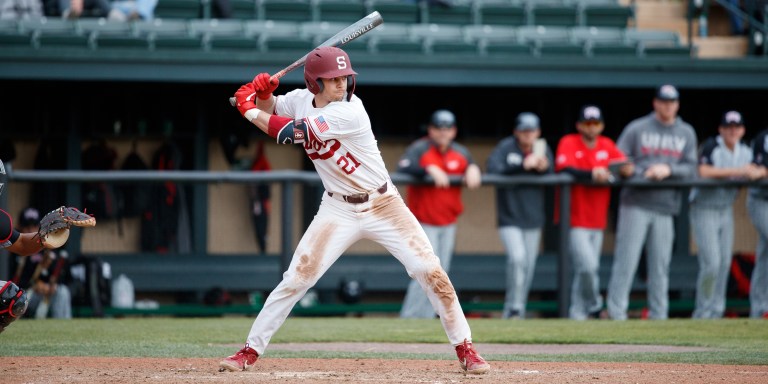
360	200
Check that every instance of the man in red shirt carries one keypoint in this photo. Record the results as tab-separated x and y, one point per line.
589	156
437	206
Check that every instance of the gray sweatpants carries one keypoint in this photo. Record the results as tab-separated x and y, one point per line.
416	303
713	233
585	247
522	247
758	290
638	227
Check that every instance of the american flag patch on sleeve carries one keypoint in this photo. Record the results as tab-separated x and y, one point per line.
322	126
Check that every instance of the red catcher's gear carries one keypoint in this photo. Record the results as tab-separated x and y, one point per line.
328	63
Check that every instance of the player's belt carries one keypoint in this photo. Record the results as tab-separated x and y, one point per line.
360	197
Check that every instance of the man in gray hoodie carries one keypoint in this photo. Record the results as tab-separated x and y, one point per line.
662	146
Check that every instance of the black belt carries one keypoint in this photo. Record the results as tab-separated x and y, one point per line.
360	197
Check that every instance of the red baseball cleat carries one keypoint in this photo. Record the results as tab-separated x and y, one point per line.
470	361
243	360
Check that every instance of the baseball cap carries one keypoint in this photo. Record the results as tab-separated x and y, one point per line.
667	92
732	118
29	216
590	113
443	118
527	121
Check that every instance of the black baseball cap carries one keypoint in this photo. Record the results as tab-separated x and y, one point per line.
667	92
732	118
527	121
443	118
590	113
29	216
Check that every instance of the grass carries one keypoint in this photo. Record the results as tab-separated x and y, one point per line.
733	341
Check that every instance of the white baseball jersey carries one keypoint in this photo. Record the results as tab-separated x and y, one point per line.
339	142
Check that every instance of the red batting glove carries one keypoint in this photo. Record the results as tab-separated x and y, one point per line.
265	86
244	97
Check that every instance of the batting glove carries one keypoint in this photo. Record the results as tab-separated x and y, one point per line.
264	86
244	97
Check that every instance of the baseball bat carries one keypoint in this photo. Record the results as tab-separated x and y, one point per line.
344	36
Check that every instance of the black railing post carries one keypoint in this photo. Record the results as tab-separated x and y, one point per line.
563	260
286	244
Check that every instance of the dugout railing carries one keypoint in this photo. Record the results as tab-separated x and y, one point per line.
200	271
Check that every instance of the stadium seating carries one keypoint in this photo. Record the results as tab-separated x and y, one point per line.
319	31
459	12
478	34
179	9
553	12
485	27
506	48
606	14
500	12
395	11
286	10
244	9
110	41
343	11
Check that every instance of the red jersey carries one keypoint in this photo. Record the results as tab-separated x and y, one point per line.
432	205
589	204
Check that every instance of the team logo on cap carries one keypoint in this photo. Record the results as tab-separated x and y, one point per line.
733	117
591	113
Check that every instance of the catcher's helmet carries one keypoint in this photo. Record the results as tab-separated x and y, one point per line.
327	63
3	176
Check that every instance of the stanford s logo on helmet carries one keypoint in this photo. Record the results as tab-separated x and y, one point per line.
327	63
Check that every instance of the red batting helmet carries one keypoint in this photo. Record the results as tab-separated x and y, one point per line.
327	63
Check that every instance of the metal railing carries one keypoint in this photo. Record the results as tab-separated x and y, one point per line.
288	178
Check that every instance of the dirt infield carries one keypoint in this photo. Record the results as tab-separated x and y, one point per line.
278	370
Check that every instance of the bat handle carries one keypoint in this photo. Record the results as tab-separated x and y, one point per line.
276	76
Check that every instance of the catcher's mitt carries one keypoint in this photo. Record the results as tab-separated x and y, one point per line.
54	227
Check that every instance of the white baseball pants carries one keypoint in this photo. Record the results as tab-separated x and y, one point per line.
337	225
416	303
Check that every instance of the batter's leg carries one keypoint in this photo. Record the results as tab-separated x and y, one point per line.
660	243
416	303
331	232
396	229
758	292
631	231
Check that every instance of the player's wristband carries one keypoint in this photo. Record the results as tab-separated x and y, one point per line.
252	114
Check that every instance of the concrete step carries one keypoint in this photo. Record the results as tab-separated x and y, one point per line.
716	47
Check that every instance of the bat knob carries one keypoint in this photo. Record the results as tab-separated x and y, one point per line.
232	101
